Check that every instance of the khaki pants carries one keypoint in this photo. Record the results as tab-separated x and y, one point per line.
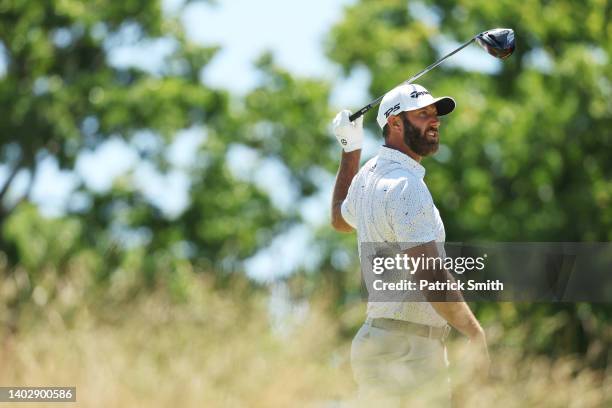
394	369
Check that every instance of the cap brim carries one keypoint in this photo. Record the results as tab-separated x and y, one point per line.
444	105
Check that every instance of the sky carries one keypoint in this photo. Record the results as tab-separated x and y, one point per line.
294	31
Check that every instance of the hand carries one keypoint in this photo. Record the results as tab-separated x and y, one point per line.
481	354
349	134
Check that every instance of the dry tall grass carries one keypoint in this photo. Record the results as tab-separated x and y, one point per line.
217	349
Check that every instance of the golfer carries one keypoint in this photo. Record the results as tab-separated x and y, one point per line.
400	348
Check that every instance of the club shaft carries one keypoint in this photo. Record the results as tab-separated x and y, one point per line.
376	101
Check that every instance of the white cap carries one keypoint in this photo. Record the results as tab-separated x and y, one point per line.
408	97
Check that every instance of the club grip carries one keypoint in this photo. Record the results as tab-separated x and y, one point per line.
360	112
355	115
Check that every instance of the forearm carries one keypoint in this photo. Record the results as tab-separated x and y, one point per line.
457	312
448	303
349	165
459	315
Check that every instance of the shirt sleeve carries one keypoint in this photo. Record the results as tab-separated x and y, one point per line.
348	214
348	208
411	213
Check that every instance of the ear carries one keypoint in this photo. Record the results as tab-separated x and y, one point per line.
395	123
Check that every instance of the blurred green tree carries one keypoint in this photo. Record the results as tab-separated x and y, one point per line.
61	95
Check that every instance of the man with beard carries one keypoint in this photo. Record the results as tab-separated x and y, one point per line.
399	351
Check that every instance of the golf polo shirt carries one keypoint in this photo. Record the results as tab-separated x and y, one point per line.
388	201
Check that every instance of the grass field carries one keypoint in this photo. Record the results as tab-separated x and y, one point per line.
219	350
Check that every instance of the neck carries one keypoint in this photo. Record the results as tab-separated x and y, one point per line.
406	150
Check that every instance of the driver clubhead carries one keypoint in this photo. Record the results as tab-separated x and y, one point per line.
499	42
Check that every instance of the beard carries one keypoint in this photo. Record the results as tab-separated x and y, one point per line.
417	140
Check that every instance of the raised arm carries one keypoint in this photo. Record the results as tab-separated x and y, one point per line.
350	137
349	165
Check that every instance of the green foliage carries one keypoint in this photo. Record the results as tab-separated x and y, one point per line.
287	118
60	96
39	241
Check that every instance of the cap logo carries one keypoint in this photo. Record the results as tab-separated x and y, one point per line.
391	110
416	94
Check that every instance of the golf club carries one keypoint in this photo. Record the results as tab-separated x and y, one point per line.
498	42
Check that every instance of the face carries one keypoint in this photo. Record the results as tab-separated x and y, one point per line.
421	130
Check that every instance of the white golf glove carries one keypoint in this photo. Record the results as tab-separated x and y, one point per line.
349	134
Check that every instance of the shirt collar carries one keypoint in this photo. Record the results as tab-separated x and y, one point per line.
406	161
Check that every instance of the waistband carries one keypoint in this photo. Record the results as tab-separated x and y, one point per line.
406	327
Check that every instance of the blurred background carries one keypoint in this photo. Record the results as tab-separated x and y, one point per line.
166	170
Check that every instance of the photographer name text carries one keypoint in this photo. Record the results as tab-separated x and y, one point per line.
424	284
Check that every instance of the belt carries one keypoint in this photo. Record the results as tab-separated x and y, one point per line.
404	326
